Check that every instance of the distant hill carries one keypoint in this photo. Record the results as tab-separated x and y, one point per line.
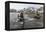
13	10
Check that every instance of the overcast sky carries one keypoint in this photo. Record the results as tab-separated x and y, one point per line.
18	6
